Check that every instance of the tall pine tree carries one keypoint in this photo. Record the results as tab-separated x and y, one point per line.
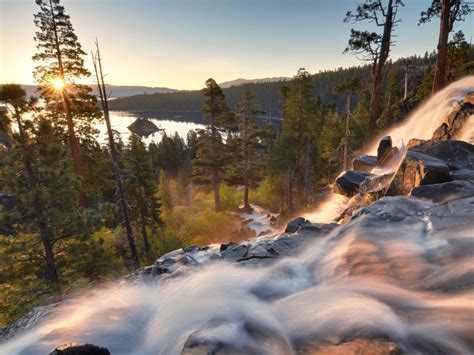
211	155
59	65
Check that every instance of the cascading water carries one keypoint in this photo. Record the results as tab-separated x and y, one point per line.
401	271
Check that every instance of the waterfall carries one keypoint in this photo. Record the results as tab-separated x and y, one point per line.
400	271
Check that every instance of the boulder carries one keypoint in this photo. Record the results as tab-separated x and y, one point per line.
418	169
385	145
415	141
442	132
357	346
446	192
293	226
433	162
235	252
364	163
456	154
80	349
456	120
374	187
348	182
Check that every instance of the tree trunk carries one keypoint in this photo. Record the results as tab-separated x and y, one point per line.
246	166
405	95
73	141
115	162
146	244
289	191
378	72
346	135
444	29
215	184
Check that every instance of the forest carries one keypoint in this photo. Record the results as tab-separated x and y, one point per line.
75	212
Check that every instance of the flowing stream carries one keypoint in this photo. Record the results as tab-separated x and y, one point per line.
402	271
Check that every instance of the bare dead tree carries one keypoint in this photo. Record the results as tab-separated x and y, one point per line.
97	61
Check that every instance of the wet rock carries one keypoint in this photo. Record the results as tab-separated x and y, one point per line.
349	212
80	349
235	252
456	154
454	123
445	192
415	141
355	347
385	145
191	248
293	226
462	174
315	229
227	245
255	339
442	132
418	169
348	183
364	163
374	187
433	162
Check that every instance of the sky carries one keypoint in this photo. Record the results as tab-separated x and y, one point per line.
181	43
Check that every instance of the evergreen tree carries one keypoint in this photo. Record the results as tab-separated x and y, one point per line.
211	155
449	11
59	65
37	171
334	132
141	190
300	130
249	142
374	46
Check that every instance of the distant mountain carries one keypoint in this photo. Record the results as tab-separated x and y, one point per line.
240	81
117	91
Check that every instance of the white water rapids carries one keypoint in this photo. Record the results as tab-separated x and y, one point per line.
401	271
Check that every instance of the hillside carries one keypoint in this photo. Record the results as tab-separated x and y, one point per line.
267	93
241	81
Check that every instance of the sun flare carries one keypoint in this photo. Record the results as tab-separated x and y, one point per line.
58	83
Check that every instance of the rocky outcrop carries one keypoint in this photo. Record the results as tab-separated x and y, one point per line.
293	226
143	127
446	192
454	123
348	182
433	162
80	349
364	163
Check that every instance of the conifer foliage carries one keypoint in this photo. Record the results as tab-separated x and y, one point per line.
211	156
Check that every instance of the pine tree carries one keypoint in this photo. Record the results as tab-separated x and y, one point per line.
300	128
211	155
374	46
141	190
449	11
59	65
37	171
249	143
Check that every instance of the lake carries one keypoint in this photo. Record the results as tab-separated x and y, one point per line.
170	123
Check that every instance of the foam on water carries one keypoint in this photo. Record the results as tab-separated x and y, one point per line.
402	270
